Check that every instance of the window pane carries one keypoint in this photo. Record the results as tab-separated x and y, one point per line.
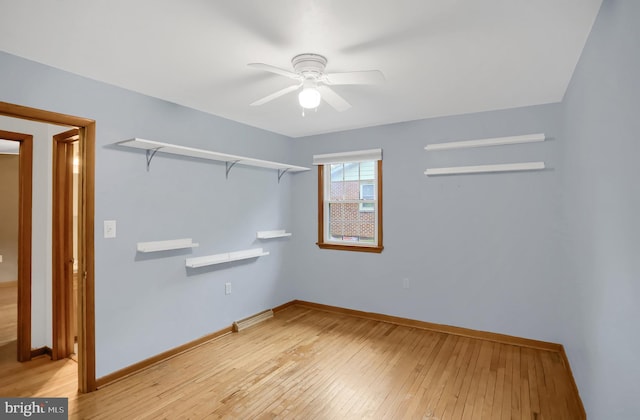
336	220
336	190
367	207
351	171
367	219
367	192
367	170
348	222
344	190
337	172
351	190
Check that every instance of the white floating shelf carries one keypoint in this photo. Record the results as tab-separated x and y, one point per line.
152	147
499	141
225	257
269	234
507	167
166	245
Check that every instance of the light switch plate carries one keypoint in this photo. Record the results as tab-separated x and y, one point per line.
109	228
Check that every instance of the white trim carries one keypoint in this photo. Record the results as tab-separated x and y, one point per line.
356	156
499	141
507	167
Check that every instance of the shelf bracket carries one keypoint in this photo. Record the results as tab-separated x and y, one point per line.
150	154
281	172
228	165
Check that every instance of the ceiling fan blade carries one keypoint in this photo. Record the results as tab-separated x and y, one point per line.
275	95
369	77
276	70
336	101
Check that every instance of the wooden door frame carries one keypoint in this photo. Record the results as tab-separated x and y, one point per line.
62	290
86	251
25	165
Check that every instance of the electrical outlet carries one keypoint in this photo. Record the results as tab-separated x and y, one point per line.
405	283
0	258
227	288
109	228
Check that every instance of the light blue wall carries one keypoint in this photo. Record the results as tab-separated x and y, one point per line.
146	304
551	255
601	203
480	251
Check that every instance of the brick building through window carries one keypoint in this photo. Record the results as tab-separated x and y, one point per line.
349	200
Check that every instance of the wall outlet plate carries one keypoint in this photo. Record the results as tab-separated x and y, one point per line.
109	228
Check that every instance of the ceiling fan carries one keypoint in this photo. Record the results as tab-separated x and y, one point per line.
308	71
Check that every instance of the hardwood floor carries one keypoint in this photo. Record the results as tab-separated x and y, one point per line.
306	363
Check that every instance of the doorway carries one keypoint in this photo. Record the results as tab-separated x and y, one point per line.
23	303
64	244
85	331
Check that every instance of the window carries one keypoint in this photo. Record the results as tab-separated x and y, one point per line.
350	201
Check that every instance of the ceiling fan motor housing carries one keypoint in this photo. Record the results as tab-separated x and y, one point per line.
309	65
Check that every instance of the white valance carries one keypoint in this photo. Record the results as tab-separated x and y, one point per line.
357	156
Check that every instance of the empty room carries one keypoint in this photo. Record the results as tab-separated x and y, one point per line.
320	209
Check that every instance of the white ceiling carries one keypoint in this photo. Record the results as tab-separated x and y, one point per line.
439	57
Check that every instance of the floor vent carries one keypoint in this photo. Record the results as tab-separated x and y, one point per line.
252	320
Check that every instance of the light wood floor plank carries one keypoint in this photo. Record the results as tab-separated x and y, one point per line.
433	394
409	405
475	401
508	384
447	403
307	363
491	378
498	395
420	403
466	383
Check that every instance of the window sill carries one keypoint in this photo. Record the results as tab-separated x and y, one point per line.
354	248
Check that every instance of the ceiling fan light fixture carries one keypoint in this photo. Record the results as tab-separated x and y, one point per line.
309	98
309	72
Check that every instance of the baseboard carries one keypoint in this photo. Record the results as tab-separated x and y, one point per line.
13	283
41	351
284	306
567	366
144	364
448	329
